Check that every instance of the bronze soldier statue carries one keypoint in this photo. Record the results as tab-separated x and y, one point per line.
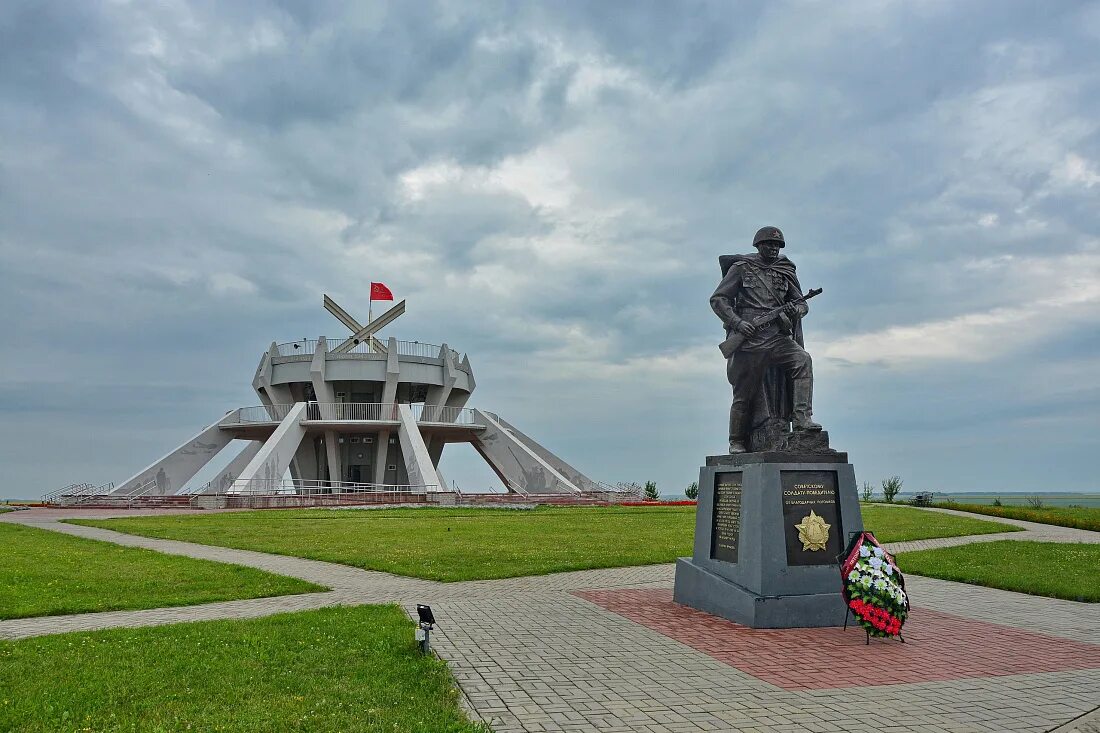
762	306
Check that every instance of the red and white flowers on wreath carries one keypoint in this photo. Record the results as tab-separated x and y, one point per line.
874	588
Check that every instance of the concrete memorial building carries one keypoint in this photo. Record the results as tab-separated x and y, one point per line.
360	414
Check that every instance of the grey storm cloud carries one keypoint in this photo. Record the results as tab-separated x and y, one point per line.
549	185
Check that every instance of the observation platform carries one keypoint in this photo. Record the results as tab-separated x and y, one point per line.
304	349
389	370
259	422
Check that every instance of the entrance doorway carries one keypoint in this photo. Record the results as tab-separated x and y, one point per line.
360	474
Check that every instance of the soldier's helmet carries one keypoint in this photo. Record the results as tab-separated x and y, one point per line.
768	234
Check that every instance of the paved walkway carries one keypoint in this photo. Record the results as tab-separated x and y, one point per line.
606	650
1032	532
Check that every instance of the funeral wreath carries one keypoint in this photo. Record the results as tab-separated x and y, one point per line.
874	588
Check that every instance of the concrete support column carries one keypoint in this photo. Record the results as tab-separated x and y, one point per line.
435	449
332	452
172	472
465	366
381	455
258	379
574	476
321	387
458	399
418	463
262	394
221	483
439	394
325	394
393	369
305	459
269	393
267	467
520	468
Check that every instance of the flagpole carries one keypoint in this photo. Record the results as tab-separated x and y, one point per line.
370	317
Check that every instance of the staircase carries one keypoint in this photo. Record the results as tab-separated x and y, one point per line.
75	494
114	501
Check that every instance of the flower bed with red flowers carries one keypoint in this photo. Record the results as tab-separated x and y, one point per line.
874	588
658	503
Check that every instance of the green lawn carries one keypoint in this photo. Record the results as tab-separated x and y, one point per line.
1064	516
46	573
331	670
473	544
444	544
1057	570
902	524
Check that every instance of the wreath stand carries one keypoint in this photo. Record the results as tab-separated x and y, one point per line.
865	631
840	559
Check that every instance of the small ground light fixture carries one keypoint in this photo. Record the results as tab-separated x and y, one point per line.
424	628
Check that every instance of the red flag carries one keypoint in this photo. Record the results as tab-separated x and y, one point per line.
378	291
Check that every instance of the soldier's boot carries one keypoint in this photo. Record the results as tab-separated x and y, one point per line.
738	425
803	405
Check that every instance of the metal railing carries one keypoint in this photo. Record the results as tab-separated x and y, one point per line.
257	414
299	347
143	489
301	487
511	485
441	414
194	490
78	493
416	348
307	347
618	493
102	494
342	411
143	494
70	490
378	411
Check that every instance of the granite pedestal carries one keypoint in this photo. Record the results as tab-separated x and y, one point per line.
761	558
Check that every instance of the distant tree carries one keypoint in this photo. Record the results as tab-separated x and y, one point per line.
1034	502
998	502
651	492
692	491
890	488
868	491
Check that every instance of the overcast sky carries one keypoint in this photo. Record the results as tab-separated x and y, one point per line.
549	186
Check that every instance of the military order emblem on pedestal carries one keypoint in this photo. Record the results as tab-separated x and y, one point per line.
813	532
774	512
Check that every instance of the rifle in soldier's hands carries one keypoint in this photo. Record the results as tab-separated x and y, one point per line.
734	342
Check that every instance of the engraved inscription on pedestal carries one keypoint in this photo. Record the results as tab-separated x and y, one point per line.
811	517
726	528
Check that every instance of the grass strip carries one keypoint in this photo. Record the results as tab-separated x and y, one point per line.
1054	569
477	544
1062	516
334	669
444	544
903	524
46	573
